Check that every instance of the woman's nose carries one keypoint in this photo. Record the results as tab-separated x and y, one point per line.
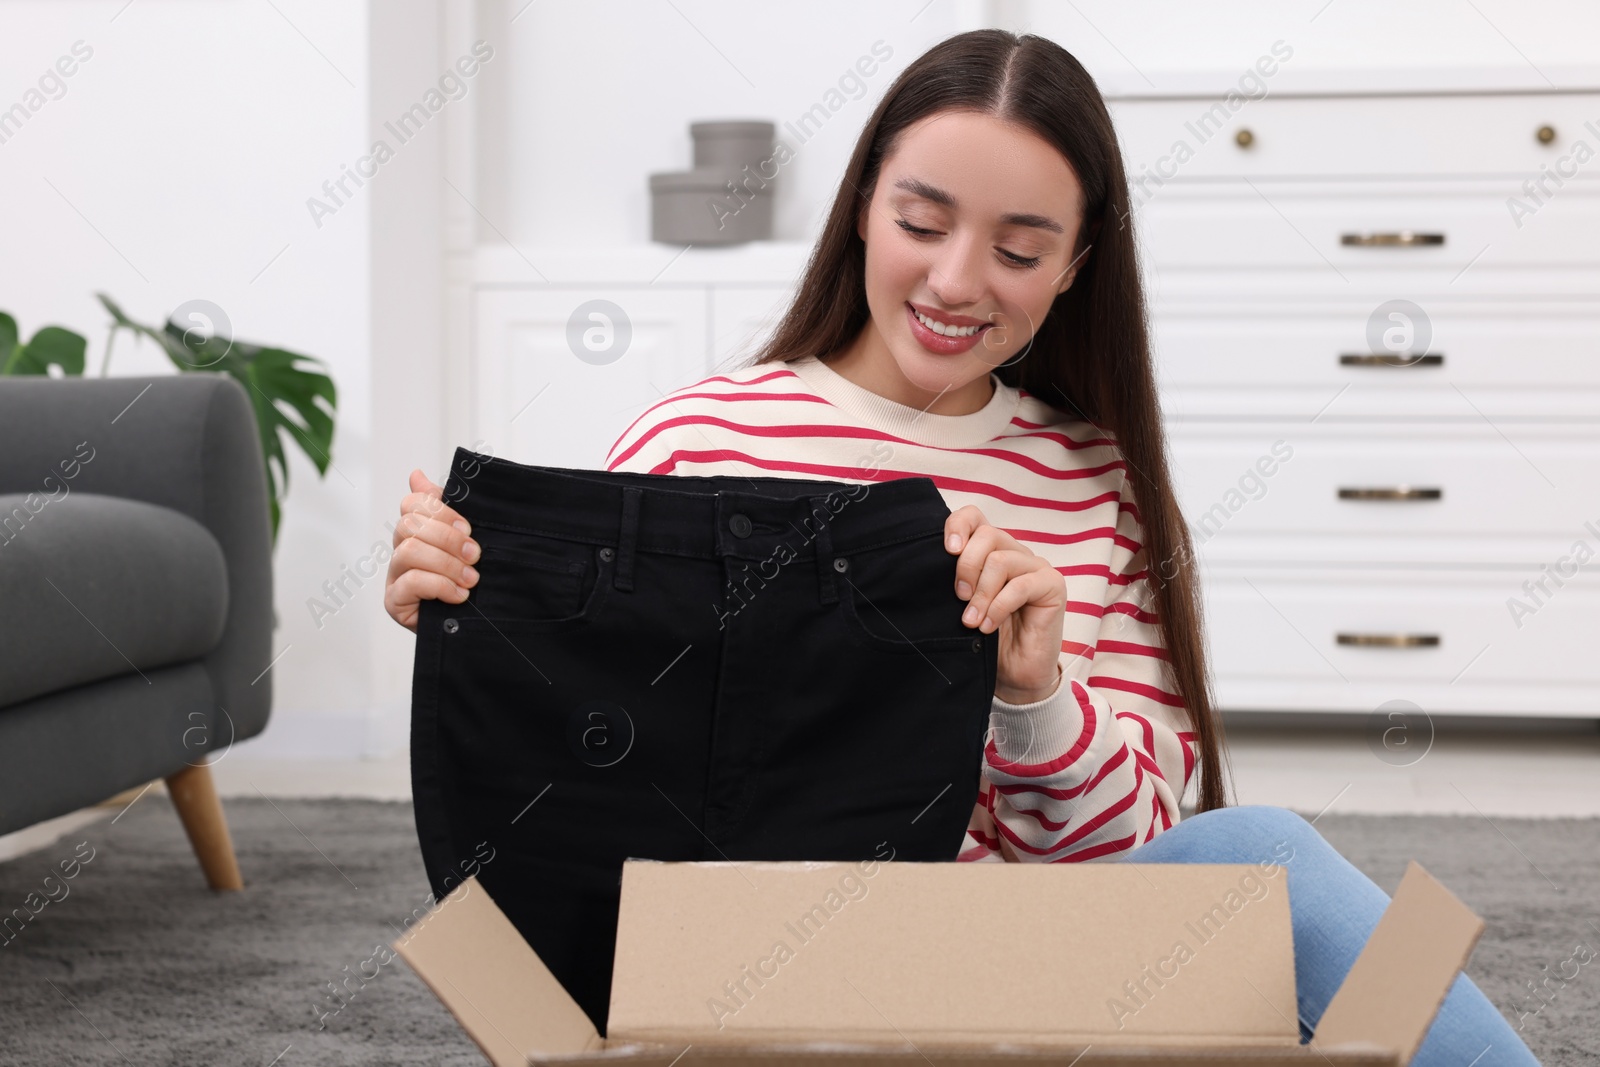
955	273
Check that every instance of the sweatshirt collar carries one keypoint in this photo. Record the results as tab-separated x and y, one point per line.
912	424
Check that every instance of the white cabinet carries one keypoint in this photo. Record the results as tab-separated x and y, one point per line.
1377	331
561	372
563	363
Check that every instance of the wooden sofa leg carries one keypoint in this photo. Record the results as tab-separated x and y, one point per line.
195	797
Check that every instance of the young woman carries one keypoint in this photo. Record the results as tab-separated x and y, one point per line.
973	313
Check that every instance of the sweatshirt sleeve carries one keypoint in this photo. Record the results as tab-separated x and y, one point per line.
1100	765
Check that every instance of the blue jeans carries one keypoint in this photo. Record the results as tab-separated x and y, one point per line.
1333	908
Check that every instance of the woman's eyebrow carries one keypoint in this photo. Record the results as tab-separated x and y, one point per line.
918	187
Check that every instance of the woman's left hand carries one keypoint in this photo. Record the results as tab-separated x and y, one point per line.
1008	587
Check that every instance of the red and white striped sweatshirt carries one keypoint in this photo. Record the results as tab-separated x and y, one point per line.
1099	766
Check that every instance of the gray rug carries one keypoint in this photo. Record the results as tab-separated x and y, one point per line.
139	963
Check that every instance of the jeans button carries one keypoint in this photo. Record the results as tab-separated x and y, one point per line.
740	525
451	626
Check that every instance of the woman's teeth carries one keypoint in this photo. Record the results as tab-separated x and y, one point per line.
947	331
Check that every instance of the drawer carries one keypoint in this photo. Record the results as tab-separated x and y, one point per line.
1433	359
1172	141
1436	230
1379	484
1353	639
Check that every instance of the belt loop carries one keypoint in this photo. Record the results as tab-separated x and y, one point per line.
827	577
628	536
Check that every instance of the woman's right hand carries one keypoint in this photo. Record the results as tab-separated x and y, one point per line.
433	554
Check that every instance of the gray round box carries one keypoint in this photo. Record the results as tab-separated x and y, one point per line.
730	144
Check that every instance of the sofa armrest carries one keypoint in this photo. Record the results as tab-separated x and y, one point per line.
187	442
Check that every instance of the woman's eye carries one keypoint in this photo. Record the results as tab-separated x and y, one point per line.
1020	261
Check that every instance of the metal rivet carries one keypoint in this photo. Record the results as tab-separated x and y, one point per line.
1546	134
841	564
606	554
977	644
1244	138
451	626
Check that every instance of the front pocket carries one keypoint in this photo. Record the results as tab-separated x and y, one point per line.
528	578
901	598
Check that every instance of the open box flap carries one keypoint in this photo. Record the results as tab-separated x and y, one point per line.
497	987
1397	983
1147	954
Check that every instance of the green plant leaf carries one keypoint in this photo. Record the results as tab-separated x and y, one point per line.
284	395
50	345
138	329
9	352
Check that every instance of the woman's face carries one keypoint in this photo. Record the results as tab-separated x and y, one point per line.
1001	209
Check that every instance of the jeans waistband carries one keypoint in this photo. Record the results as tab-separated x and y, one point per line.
690	515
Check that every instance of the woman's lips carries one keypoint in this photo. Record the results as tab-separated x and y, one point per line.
938	343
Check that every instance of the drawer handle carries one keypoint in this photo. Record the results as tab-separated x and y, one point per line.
1390	640
1397	239
1397	492
1391	359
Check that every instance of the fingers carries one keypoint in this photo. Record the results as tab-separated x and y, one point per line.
958	531
421	484
425	501
977	543
990	570
995	592
1039	585
416	585
415	553
433	553
436	533
404	595
420	571
961	525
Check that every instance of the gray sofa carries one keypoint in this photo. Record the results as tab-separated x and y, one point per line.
135	595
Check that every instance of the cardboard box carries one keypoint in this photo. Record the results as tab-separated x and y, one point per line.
872	963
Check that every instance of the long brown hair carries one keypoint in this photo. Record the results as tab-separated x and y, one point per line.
1092	352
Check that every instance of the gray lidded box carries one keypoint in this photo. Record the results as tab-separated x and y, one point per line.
724	199
730	144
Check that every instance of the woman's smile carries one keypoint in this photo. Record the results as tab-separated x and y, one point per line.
941	338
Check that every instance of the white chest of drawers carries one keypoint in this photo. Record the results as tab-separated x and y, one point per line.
1377	327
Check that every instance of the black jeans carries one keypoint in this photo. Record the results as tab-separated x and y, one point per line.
688	668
